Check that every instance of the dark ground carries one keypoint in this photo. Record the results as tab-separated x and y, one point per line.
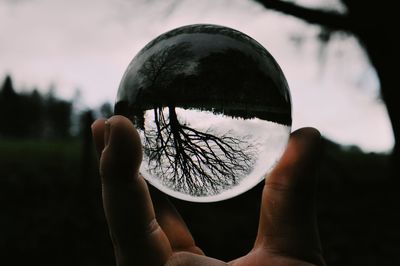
51	209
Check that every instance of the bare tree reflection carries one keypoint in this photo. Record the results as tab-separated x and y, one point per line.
191	161
161	72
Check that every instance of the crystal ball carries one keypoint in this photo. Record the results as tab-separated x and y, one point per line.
213	110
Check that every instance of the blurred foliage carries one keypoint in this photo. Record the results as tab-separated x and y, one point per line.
32	115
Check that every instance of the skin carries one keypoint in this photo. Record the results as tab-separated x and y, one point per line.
149	231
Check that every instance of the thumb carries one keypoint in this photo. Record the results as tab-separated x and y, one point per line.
288	224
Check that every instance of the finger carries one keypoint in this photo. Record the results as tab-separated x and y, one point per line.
172	224
167	216
98	128
136	235
288	220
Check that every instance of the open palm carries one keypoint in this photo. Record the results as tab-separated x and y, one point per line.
148	230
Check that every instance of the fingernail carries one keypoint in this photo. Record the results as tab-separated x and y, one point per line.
107	128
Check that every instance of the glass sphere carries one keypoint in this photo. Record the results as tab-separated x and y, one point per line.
212	108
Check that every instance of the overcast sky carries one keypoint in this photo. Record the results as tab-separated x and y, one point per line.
88	44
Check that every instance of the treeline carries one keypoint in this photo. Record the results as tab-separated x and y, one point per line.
34	115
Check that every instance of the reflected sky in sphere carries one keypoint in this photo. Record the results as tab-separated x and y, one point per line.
213	110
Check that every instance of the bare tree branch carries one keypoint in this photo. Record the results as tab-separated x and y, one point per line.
330	19
192	161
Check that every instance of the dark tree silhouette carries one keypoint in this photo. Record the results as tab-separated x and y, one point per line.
19	113
158	72
30	115
160	66
374	25
9	109
191	161
7	90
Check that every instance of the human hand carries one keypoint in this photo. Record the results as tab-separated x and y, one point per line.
147	231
